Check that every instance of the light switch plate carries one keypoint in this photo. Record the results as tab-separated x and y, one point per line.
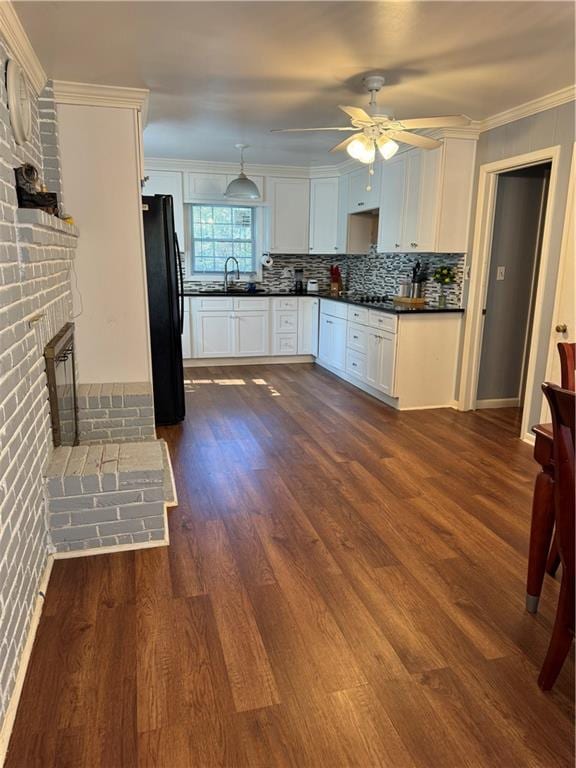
500	272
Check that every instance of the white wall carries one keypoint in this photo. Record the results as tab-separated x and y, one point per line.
101	188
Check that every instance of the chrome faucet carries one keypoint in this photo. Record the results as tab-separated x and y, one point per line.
230	258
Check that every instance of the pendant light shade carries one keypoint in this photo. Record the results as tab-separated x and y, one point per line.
242	188
362	148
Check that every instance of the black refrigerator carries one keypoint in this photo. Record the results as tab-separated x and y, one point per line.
165	307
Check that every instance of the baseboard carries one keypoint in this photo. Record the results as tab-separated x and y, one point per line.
10	716
202	362
528	438
111	550
393	402
503	402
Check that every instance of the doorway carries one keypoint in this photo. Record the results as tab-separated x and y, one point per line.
514	262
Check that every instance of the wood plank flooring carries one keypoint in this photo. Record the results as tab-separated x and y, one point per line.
344	587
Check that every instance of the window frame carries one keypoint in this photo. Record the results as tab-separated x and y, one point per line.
257	240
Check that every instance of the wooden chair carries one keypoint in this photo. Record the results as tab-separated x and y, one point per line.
542	556
563	407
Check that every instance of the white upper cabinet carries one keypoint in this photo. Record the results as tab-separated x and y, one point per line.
289	214
210	187
169	183
359	197
425	199
392	194
324	215
204	186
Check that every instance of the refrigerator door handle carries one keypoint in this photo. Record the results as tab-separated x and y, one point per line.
181	283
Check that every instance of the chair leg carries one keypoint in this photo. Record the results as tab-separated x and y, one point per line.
560	642
540	536
553	561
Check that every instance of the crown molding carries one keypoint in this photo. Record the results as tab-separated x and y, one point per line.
551	100
252	169
20	47
91	95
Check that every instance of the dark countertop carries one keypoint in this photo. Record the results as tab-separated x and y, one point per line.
387	306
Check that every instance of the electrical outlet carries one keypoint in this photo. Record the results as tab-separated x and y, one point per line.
500	272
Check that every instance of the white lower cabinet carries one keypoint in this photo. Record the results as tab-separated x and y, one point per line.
308	317
250	326
251	333
381	360
332	342
214	334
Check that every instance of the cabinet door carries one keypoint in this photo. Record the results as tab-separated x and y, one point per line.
169	183
339	342
252	333
326	339
428	200
360	198
387	362
204	186
289	215
342	229
213	334
392	199
411	213
324	215
187	331
308	326
374	359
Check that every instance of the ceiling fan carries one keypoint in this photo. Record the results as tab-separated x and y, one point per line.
382	131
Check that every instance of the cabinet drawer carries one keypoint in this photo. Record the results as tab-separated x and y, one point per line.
358	314
290	302
333	308
356	363
357	337
286	321
211	302
382	321
285	344
251	303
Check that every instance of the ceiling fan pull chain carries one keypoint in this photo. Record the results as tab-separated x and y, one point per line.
370	174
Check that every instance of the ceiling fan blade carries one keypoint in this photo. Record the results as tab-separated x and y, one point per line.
294	130
344	144
356	113
424	142
448	121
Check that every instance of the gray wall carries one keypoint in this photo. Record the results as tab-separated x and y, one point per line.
517	224
34	280
545	129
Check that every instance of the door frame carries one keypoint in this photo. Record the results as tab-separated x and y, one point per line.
480	264
568	231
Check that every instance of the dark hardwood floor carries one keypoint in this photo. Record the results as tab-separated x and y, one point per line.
344	587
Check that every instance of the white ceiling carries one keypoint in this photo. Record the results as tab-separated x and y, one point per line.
227	72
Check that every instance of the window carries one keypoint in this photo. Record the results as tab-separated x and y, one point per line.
220	231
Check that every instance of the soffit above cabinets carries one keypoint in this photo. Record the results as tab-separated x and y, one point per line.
214	83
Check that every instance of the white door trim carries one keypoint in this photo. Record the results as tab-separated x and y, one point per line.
567	234
481	250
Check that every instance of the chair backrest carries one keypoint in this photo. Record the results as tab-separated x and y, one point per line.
567	351
563	407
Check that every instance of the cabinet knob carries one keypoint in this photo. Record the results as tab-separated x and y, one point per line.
396	245
414	245
561	328
360	203
335	247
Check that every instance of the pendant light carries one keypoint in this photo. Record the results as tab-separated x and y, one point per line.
242	188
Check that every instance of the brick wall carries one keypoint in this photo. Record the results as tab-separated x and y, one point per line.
34	281
115	412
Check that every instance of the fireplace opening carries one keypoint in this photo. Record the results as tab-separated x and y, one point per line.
61	375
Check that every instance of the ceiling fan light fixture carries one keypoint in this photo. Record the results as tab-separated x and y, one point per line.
242	188
387	147
362	149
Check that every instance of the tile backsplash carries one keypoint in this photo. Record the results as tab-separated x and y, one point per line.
375	273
